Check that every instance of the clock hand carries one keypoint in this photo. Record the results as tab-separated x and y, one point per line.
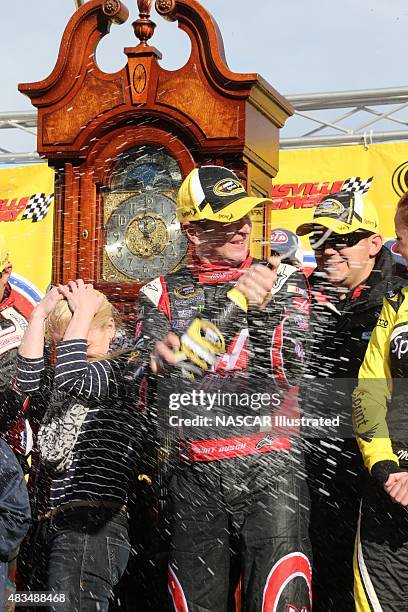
144	226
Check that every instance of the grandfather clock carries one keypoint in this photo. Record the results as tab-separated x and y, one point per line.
121	143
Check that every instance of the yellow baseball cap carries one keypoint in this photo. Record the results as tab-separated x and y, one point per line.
343	212
5	253
214	193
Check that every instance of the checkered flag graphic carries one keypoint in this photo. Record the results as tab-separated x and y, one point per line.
37	207
356	185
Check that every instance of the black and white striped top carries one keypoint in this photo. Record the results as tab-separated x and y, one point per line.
107	450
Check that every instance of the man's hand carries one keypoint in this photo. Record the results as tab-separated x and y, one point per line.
256	283
397	488
164	353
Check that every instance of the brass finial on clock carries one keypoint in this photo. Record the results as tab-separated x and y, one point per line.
144	26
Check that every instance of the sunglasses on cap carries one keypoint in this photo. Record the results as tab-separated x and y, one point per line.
336	241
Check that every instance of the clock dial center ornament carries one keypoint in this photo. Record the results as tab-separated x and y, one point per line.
146	235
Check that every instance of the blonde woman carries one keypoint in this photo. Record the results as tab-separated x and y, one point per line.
89	445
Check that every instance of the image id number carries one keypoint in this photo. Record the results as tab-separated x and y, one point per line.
36	598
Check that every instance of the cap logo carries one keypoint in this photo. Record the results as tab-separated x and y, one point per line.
369	222
224	217
228	187
188	213
187	292
333	207
279	237
343	228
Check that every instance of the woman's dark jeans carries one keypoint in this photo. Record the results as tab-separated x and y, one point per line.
80	554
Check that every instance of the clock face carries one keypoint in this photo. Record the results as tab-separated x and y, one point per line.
143	236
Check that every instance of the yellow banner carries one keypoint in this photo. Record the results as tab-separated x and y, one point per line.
26	221
307	175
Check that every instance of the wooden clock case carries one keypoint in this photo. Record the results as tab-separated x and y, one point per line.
200	114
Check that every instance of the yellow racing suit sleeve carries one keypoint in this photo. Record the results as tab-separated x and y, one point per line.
371	397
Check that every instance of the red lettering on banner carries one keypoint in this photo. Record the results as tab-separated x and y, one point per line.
10	209
310	202
302	195
275	205
280	190
297	189
325	189
286	203
336	186
304	202
315	189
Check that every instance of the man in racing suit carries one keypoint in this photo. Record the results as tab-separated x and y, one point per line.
235	484
14	312
381	425
353	273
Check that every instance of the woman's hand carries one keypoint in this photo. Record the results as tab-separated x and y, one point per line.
48	303
32	344
81	296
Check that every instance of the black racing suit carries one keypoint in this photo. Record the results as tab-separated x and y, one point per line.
380	420
14	312
339	336
234	485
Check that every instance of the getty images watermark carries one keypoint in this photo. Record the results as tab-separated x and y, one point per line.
211	403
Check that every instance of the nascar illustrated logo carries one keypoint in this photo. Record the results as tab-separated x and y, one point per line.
32	208
308	195
228	187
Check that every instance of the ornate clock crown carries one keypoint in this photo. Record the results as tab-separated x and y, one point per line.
144	27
